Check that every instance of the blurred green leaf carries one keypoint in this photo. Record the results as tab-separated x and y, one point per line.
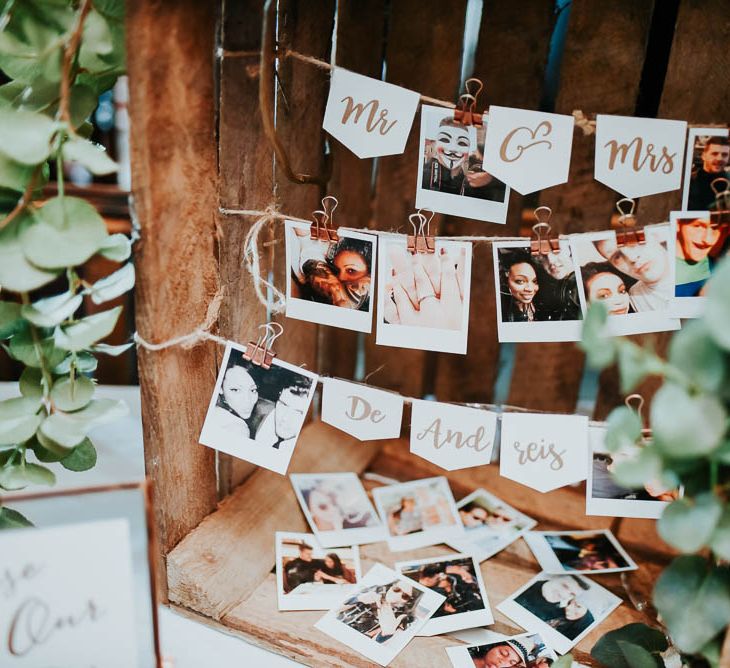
14	175
116	247
18	419
16	272
97	37
600	349
637	657
636	472
565	661
717	313
82	458
30	383
72	395
84	101
113	351
720	540
48	450
52	311
623	428
12	519
113	9
90	155
83	362
69	429
112	286
687	524
610	649
18	476
695	353
634	364
25	136
23	349
86	332
10	320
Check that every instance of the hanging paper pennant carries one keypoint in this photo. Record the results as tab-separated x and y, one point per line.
368	116
361	411
544	451
528	150
453	437
639	156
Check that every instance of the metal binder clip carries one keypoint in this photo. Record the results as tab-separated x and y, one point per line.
542	245
720	211
260	352
465	112
628	235
635	402
421	241
320	229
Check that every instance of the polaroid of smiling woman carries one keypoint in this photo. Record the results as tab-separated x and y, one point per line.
450	175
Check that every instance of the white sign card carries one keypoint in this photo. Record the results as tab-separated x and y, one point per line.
639	156
528	150
451	178
537	294
423	299
459	579
368	116
453	437
708	158
544	451
310	577
67	596
256	414
382	615
364	412
526	649
330	282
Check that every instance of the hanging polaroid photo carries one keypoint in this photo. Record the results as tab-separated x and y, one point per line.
382	615
708	159
561	608
701	242
633	281
527	649
337	508
490	525
418	513
330	281
605	497
537	294
311	577
256	414
423	299
590	552
451	176
458	578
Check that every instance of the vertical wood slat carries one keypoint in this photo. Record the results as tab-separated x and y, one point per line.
174	187
601	71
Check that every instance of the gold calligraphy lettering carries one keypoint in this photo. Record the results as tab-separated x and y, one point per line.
638	154
372	123
521	148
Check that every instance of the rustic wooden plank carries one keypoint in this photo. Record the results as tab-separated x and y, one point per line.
170	49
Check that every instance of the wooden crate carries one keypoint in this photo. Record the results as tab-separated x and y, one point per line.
199	152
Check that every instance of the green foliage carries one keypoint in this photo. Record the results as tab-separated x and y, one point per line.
631	646
12	519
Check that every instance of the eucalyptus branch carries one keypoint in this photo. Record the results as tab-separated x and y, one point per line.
25	199
69	56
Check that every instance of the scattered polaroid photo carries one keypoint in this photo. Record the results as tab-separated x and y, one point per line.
490	525
418	513
523	651
589	552
605	497
337	508
311	577
633	281
458	578
701	242
708	159
423	299
330	281
451	176
561	608
381	616
256	414
538	294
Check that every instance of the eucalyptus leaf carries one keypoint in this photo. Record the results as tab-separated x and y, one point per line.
609	651
14	175
51	447
69	429
112	9
637	657
10	319
83	102
634	473
23	349
565	661
720	539
112	286
687	524
623	428
717	314
600	350
97	38
72	394
30	383
39	475
52	311
25	136
87	331
44	454
113	351
634	364
116	247
90	155
82	458
18	429
694	352
12	519
16	272
82	362
18	476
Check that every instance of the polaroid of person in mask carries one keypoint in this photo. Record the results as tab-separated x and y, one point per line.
450	175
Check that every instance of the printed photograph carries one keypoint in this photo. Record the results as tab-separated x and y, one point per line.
451	178
490	525
538	294
256	414
458	578
579	551
708	159
330	282
418	513
561	608
337	508
423	299
310	577
528	650
382	615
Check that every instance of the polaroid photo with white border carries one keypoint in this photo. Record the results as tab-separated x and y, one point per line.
423	299
490	525
330	282
451	176
256	414
459	579
633	281
590	552
311	577
418	513
337	509
563	609
382	615
537	295
706	161
526	649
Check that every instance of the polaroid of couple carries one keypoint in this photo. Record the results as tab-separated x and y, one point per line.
527	650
